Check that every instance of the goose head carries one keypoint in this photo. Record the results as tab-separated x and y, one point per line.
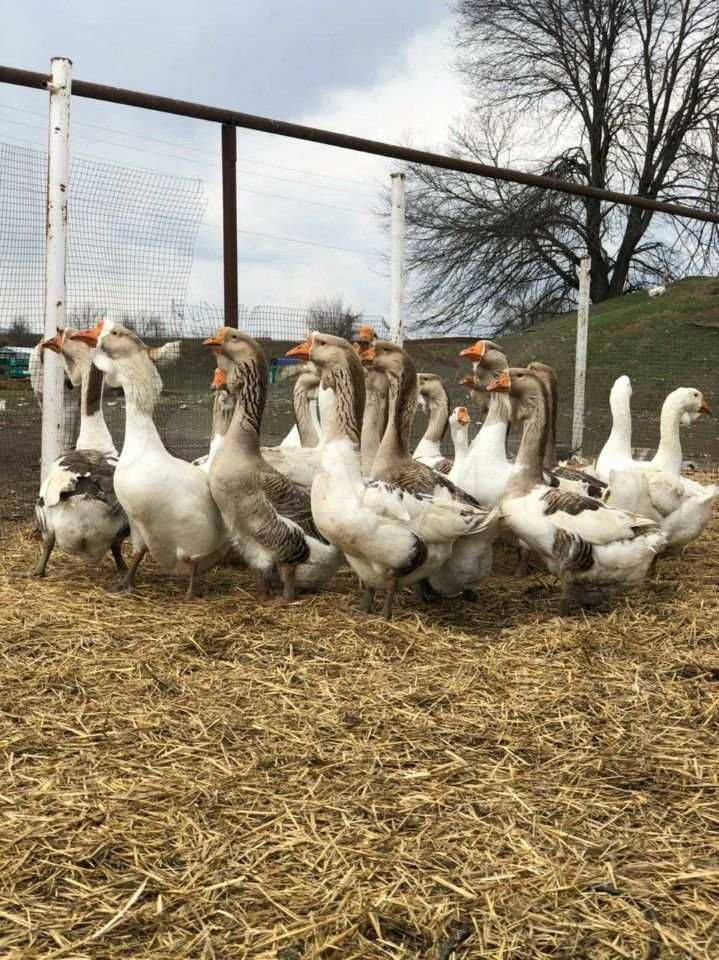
690	403
391	360
75	358
364	339
523	386
115	348
235	352
432	391
460	417
487	356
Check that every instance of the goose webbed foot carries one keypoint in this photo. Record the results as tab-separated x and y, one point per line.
367	601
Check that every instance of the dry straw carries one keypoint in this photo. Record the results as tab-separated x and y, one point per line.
223	778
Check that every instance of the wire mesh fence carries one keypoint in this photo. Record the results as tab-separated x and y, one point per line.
131	244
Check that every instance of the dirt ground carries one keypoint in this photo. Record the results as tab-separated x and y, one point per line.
224	778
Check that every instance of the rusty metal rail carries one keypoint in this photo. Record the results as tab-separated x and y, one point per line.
185	108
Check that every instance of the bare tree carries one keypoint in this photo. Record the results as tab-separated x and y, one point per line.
332	315
634	84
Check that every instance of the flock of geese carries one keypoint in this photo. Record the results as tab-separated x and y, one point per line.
344	486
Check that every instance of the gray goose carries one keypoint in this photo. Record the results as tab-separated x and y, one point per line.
434	399
269	517
471	557
391	537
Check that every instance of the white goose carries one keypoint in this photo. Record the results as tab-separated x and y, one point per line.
389	536
77	509
591	546
459	422
167	500
683	505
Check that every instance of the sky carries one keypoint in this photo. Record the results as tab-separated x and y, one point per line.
307	213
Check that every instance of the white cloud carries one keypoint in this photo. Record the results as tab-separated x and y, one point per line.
413	100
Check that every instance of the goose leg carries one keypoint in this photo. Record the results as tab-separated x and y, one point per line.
116	550
190	592
389	598
523	566
47	547
127	583
287	574
367	601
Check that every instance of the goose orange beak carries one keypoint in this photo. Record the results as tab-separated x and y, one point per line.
705	410
468	382
301	351
218	381
90	337
500	384
463	416
54	343
216	341
475	352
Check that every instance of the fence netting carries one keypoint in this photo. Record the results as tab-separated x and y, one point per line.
132	236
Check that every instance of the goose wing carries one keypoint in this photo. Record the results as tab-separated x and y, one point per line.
591	520
290	501
85	473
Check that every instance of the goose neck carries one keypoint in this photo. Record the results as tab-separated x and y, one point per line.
248	384
94	434
530	457
669	453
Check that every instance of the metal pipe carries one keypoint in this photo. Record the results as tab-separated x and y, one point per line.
580	362
184	108
229	222
58	175
397	259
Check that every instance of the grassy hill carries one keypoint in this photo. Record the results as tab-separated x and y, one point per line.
655	342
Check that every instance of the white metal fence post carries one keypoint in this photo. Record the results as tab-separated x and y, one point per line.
58	175
580	365
397	259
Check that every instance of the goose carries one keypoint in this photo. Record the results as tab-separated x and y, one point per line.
167	500
471	556
72	378
77	509
390	537
268	516
374	421
658	290
487	468
222	408
306	431
683	505
162	356
459	421
434	400
591	546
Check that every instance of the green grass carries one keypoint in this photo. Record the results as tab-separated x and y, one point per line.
652	341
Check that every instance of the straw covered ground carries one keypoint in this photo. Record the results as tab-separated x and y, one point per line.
223	778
